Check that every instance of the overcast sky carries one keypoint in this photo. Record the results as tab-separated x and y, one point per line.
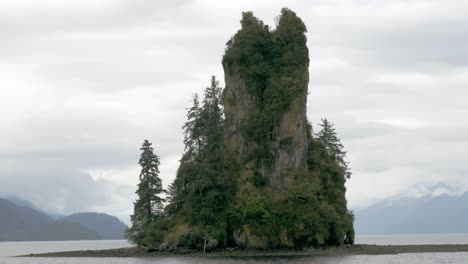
83	83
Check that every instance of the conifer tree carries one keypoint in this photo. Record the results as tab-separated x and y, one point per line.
328	137
148	206
192	130
211	181
187	171
200	189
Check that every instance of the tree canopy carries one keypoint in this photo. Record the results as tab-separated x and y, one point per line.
329	139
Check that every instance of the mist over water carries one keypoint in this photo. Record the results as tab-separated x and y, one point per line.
8	249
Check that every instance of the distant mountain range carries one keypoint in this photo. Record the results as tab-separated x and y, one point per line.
22	221
18	201
106	226
441	214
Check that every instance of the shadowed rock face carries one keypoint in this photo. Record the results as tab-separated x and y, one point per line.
265	100
278	186
239	106
290	192
279	107
293	127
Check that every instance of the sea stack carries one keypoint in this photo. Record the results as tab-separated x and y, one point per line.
269	145
255	176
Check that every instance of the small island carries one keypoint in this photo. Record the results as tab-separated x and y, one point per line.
254	174
256	179
233	253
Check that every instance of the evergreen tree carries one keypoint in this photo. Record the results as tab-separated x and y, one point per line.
187	171
329	139
211	179
200	187
149	203
192	130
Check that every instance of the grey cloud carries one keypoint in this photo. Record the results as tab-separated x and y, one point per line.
57	17
83	85
429	42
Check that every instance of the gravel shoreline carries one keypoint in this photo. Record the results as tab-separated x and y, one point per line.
331	251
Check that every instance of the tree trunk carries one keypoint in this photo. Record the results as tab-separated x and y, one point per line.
204	245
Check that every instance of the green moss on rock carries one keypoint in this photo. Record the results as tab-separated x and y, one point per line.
277	186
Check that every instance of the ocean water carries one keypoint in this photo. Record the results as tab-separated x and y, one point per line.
436	239
10	249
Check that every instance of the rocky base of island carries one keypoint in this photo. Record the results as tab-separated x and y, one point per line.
235	252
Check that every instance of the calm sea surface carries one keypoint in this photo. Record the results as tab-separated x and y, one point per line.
8	249
413	239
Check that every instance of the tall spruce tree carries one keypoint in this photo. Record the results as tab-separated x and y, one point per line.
192	129
200	189
148	206
187	171
211	182
328	137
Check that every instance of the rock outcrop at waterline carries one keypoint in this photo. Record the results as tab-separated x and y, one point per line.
289	192
256	178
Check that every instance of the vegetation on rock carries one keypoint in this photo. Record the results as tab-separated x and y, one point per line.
253	175
273	65
202	189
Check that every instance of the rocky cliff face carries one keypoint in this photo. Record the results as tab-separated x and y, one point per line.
258	179
289	192
291	134
267	97
293	128
239	106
